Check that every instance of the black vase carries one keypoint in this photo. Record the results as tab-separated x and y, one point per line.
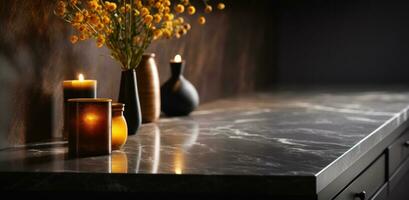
178	96
128	95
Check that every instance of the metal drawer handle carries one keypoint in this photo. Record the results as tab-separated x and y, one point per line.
361	195
406	143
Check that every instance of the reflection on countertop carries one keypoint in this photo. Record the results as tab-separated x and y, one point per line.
283	133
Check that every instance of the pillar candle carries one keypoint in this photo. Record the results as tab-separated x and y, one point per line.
89	127
77	89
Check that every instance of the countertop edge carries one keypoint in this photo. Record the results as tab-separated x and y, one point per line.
342	163
163	183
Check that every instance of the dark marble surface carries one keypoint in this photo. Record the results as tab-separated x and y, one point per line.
277	134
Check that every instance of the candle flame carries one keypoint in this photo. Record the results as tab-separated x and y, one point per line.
81	77
177	58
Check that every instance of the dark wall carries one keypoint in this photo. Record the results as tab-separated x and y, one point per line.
338	42
231	55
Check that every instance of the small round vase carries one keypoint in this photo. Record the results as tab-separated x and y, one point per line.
148	88
178	96
119	127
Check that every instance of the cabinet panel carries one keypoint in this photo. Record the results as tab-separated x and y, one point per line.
366	184
398	152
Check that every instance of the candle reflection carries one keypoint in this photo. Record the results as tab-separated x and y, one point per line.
148	144
179	162
119	162
187	142
156	150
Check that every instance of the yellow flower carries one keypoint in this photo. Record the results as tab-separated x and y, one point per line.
61	8
139	4
110	6
148	19
187	26
185	2
167	3
83	36
74	39
221	6
74	2
161	9
166	10
208	9
106	20
78	17
157	33
191	10
61	11
202	20
94	19
180	8
182	31
61	4
145	11
167	33
82	28
157	18
93	4
100	26
100	41
180	20
168	17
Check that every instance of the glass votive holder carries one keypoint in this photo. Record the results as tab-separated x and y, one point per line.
119	126
89	127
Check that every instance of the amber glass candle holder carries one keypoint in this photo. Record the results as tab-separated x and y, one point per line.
89	127
119	126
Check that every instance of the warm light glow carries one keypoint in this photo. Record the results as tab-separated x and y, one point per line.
119	162
178	171
90	118
81	77
119	132
179	162
177	58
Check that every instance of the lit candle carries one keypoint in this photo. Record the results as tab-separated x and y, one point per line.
89	126
77	89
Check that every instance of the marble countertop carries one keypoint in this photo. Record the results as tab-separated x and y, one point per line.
299	133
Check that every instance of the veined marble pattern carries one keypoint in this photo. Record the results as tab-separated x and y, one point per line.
282	133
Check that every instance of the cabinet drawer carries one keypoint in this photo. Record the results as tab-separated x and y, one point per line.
367	183
398	152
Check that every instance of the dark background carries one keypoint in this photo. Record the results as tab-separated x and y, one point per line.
343	42
252	45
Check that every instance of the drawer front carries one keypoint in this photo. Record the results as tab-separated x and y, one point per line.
398	152
366	184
